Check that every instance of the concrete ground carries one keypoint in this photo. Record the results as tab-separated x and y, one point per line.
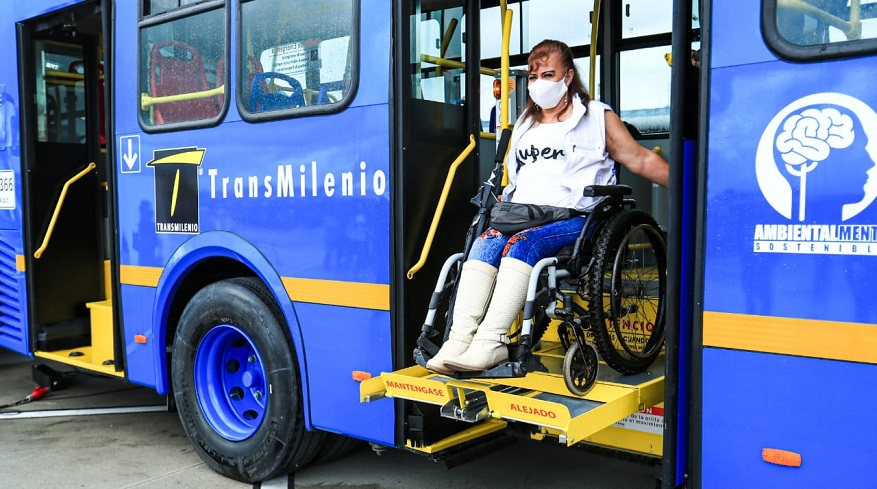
149	450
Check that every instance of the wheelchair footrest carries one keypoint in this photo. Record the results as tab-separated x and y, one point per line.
506	370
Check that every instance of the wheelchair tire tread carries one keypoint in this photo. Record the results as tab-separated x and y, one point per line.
608	241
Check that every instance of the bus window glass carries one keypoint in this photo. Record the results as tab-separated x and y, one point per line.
153	7
295	54
540	19
182	64
646	17
491	31
437	56
60	93
583	67
815	23
645	105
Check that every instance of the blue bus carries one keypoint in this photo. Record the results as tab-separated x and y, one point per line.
246	205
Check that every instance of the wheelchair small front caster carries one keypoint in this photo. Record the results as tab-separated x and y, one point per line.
580	368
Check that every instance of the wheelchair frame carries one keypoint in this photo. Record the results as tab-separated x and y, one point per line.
543	294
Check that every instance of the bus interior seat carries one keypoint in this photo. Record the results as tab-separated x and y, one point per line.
324	97
176	68
261	99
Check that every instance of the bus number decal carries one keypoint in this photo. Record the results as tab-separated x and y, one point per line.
7	189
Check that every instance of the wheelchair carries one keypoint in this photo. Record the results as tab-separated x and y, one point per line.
606	294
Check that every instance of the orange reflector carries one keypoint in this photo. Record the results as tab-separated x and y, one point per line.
497	87
139	338
781	457
359	375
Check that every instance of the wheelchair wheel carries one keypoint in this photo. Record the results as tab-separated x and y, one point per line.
626	290
580	367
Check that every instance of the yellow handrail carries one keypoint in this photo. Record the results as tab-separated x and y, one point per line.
504	79
448	63
595	22
852	29
147	100
446	41
440	207
39	252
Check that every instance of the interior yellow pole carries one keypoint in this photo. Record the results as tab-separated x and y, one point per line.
595	21
504	80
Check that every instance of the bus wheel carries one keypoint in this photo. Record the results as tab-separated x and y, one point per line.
236	383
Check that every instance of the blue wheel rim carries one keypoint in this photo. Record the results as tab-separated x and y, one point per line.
230	382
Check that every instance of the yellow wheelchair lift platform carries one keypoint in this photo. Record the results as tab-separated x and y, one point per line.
540	399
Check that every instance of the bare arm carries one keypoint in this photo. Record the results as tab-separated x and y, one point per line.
625	150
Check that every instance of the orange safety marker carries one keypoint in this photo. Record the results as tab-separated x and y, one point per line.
781	457
139	338
359	375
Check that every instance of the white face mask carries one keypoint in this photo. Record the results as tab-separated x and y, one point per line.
547	94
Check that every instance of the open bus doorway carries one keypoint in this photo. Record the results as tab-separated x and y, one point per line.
67	242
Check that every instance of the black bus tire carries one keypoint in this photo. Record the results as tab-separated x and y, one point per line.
335	446
269	439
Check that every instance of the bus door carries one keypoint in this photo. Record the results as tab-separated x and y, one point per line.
436	111
437	84
65	190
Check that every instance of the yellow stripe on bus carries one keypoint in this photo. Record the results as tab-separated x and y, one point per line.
350	294
20	263
854	342
330	292
144	276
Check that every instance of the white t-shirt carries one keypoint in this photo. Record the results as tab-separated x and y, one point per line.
541	160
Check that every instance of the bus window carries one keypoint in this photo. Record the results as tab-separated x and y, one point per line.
491	31
154	7
438	56
540	21
296	55
645	105
800	30
646	17
60	95
182	60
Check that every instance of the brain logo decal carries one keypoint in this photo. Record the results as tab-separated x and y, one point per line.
821	140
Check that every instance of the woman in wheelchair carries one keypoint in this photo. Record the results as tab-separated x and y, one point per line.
562	143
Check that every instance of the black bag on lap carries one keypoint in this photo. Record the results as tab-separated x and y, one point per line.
511	217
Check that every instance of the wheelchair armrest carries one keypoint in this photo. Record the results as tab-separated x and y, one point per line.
604	190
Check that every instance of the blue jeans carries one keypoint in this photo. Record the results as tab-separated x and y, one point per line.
529	245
